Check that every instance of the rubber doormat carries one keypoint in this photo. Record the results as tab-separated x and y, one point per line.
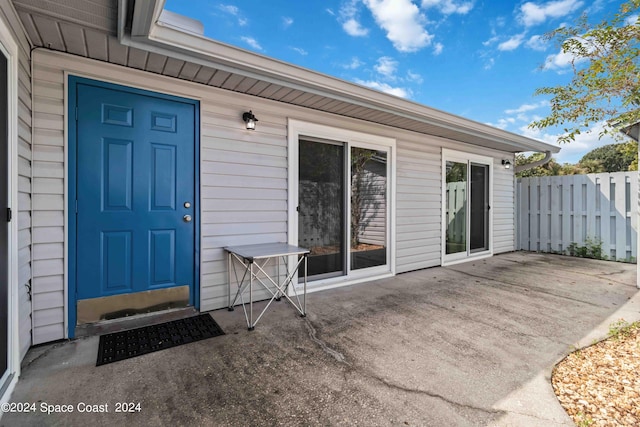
135	342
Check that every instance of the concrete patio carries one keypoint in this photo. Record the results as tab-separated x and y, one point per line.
471	344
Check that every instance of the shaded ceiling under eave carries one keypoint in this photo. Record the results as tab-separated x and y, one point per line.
136	34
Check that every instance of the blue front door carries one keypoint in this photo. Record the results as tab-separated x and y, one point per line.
135	191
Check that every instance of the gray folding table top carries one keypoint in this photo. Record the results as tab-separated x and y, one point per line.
265	250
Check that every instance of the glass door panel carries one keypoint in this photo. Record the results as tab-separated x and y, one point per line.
456	207
321	207
368	208
479	227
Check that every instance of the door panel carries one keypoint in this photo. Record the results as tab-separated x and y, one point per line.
479	229
456	207
321	207
135	171
368	208
4	225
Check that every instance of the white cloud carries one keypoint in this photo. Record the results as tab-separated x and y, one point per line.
353	28
233	10
330	12
386	66
527	107
414	77
575	150
300	50
489	64
491	41
631	20
449	7
512	43
230	9
287	21
354	64
561	62
402	21
384	87
348	17
252	42
503	123
536	13
437	49
537	42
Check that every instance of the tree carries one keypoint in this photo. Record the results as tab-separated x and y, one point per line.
613	157
606	83
545	170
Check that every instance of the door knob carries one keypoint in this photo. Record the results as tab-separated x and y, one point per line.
187	218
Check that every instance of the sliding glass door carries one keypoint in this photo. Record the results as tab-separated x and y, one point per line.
467	205
321	206
342	206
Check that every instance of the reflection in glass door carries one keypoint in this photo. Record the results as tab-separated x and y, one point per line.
479	229
456	207
368	208
321	207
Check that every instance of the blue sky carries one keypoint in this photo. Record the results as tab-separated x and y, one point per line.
481	60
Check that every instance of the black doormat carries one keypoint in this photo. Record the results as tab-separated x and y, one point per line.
135	342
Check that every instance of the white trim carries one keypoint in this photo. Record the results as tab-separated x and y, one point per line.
65	206
467	158
296	128
9	48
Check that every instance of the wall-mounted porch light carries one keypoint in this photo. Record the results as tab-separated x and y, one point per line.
250	120
506	164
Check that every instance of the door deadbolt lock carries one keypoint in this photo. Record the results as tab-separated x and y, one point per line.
187	204
187	218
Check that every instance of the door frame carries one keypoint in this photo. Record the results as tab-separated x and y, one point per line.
9	48
72	82
468	158
298	128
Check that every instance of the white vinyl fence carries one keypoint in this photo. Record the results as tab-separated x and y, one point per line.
557	213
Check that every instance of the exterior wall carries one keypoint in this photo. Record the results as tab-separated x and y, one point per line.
243	180
504	206
24	178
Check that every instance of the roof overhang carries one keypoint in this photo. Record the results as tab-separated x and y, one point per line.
144	29
632	131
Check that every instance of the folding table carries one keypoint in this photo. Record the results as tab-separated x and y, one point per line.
253	260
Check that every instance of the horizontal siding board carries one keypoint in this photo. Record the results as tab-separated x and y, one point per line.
48	284
43	334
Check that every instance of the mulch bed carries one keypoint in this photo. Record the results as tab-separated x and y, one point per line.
600	385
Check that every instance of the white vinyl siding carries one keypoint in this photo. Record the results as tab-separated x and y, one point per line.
243	180
48	204
23	214
504	208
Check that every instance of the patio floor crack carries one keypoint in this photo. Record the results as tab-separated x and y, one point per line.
313	334
338	356
440	397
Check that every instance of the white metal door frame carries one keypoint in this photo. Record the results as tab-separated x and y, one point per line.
468	159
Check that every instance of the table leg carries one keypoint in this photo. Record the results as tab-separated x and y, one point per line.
229	261
251	325
304	301
278	276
